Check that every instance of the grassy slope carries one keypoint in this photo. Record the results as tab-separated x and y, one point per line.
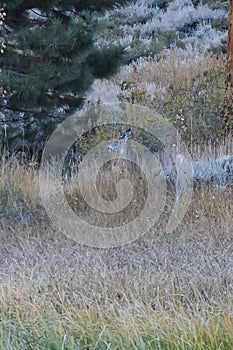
162	292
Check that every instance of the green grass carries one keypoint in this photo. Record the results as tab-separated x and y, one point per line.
169	332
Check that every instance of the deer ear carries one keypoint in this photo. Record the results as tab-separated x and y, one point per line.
122	134
128	133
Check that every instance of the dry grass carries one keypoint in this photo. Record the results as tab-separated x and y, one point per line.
187	89
163	291
176	66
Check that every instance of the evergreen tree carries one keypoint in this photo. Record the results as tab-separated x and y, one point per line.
52	53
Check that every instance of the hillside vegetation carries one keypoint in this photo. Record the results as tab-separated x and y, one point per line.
168	291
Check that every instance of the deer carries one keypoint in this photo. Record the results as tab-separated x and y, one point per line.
122	147
167	169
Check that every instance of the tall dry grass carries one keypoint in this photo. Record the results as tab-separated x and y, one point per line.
163	291
185	88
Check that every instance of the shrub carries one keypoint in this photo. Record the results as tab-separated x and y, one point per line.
188	90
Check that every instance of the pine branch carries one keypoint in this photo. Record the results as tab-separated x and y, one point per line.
30	4
25	110
99	6
79	5
51	59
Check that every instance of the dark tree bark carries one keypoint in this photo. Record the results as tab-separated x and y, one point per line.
228	118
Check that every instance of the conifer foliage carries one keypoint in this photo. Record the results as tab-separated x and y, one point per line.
52	52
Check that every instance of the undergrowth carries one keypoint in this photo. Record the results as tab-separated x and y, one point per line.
163	291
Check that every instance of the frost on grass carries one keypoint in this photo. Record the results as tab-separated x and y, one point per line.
148	21
103	91
214	171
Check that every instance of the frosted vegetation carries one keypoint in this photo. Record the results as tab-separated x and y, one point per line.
145	21
163	291
174	45
218	171
146	27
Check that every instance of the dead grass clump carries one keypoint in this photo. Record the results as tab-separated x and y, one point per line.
213	206
19	195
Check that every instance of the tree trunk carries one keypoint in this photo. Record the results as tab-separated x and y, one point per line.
228	120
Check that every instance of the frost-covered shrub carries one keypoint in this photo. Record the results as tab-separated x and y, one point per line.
220	24
181	18
215	171
219	50
177	5
165	40
103	91
206	37
213	4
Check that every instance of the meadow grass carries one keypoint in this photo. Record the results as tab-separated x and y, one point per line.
163	291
